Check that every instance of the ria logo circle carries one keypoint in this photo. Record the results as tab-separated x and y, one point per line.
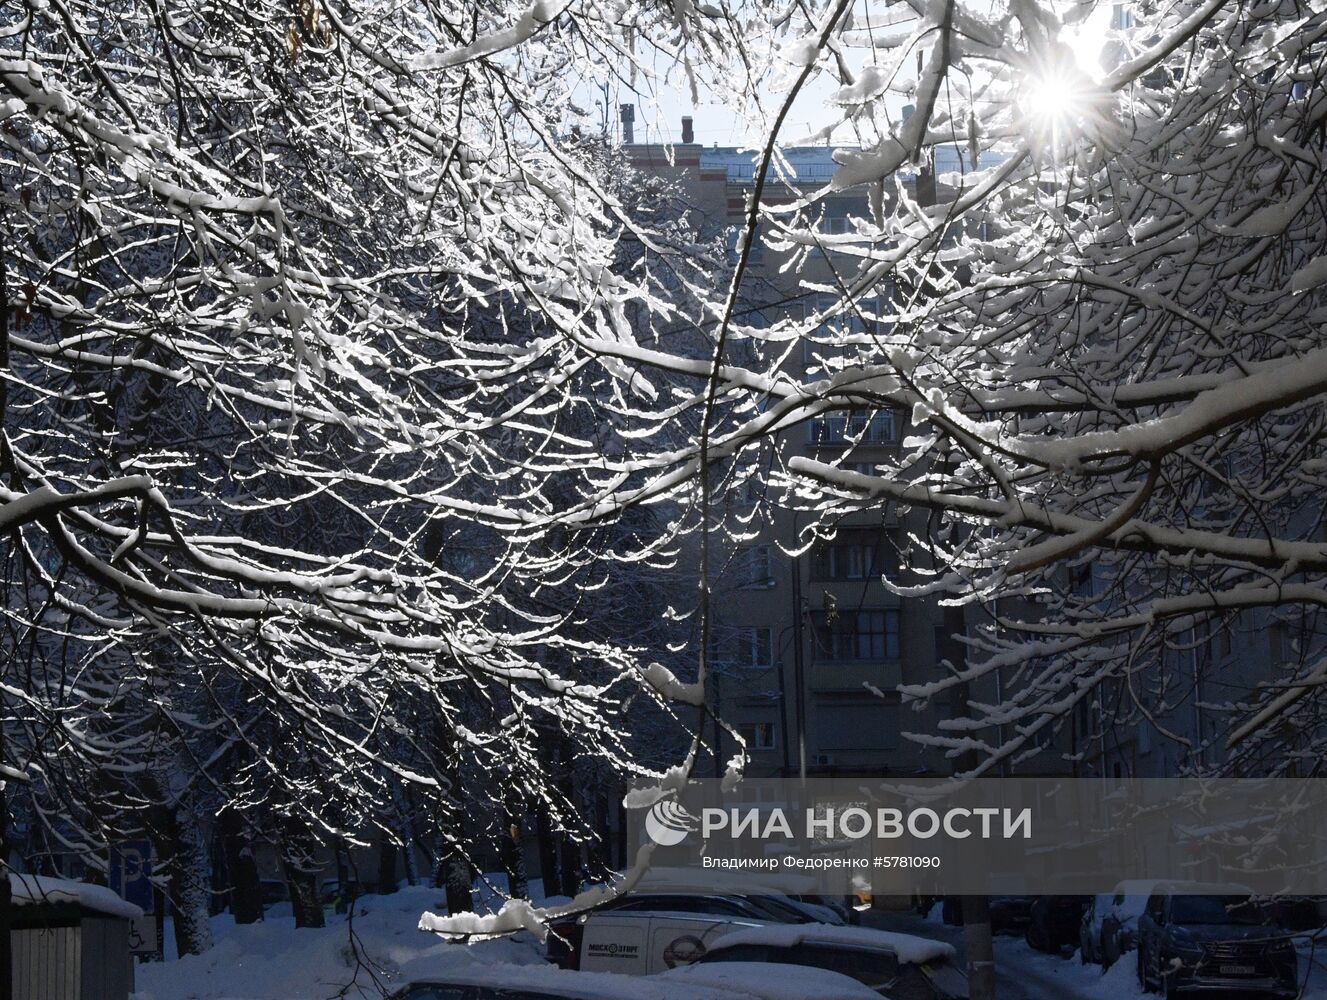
667	823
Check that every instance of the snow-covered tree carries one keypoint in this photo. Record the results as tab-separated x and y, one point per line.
337	263
267	271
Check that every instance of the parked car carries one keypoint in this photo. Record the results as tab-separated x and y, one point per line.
797	911
524	982
1202	937
274	890
1306	914
1010	914
649	932
332	892
899	966
1119	927
1090	928
1053	922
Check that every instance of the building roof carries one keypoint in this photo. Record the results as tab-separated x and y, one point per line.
30	890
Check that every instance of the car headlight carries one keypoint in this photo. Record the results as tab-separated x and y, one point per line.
1187	949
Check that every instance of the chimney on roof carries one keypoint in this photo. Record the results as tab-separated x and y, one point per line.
688	133
628	115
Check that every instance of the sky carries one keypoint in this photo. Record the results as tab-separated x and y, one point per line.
658	117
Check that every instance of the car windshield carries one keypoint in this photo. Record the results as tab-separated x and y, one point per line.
781	911
1215	910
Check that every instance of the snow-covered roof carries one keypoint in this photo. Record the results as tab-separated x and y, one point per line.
908	947
33	889
760	980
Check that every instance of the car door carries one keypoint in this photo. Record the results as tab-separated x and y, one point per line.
615	941
677	940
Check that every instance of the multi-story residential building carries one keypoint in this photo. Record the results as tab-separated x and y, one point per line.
809	649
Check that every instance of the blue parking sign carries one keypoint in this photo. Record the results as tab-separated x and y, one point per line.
131	873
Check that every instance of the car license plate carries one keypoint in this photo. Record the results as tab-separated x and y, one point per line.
1237	970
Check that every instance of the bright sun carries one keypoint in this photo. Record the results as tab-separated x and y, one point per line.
1053	96
1057	94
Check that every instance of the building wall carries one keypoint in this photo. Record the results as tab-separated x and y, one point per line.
800	694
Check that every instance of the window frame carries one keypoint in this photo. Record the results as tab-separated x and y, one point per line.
832	651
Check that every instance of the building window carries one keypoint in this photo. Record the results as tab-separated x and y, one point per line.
746	646
757	735
880	427
851	555
856	636
754	566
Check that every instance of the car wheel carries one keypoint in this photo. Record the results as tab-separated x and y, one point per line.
1168	987
1110	949
1034	938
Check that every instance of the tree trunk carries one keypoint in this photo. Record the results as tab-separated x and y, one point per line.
300	866
189	888
304	901
569	849
980	947
548	850
411	863
455	875
387	881
244	893
510	853
6	900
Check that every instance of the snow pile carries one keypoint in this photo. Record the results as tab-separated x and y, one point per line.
908	947
274	961
43	889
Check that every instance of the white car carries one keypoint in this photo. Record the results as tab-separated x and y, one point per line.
646	932
890	964
524	982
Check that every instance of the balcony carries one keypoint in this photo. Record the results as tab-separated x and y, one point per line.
853	675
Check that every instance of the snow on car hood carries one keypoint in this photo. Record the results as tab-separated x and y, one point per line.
908	947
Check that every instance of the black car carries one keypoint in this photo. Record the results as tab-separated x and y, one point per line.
1009	914
1054	921
1204	937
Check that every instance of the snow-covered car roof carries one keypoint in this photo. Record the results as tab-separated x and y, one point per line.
761	981
36	889
748	982
555	982
908	947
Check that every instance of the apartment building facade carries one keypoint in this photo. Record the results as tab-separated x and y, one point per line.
808	645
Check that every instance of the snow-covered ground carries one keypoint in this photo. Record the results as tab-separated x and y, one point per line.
271	960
